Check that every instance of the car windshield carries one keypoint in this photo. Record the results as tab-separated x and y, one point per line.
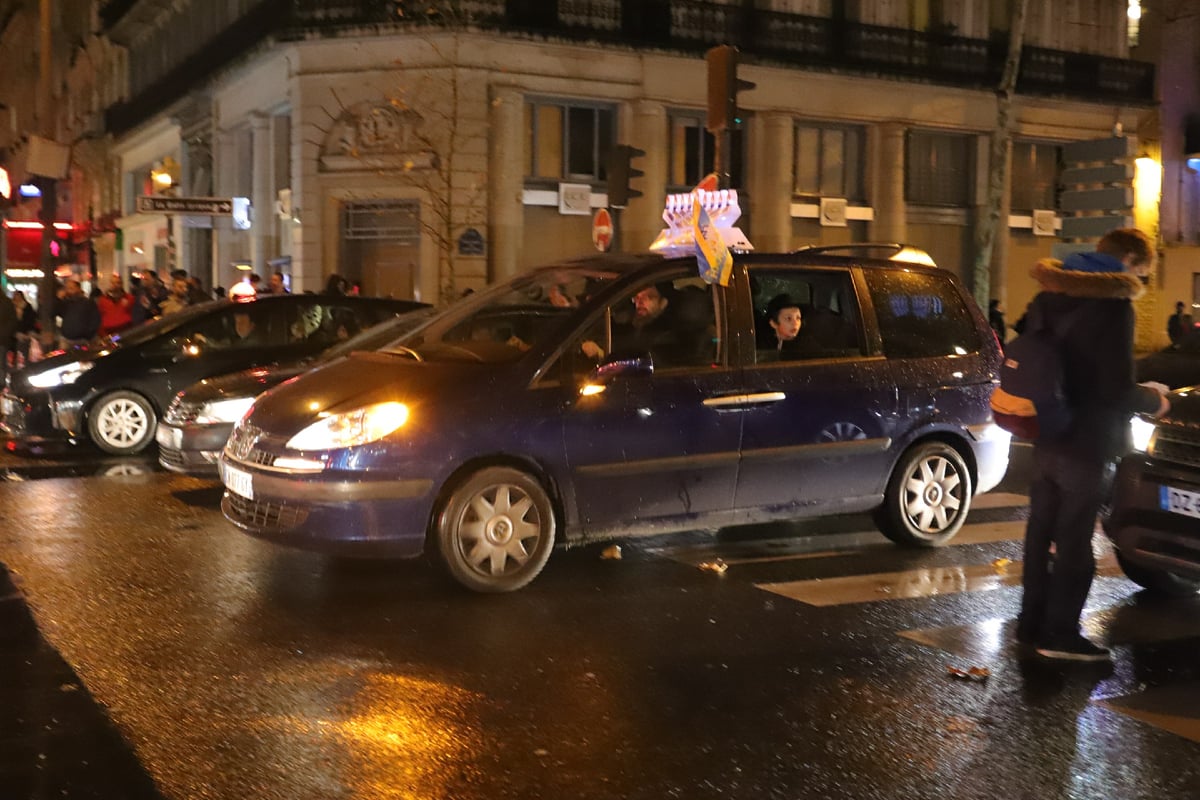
503	323
149	331
379	336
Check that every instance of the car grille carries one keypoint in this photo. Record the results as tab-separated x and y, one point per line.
171	457
1178	443
181	412
243	446
264	515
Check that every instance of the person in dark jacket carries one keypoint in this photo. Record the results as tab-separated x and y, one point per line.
27	324
79	314
1095	291
1179	324
996	321
8	333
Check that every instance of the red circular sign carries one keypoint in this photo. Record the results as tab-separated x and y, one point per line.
602	230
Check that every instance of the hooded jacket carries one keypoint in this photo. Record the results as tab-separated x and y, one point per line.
1097	341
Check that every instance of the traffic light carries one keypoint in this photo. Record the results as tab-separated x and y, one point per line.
620	172
723	87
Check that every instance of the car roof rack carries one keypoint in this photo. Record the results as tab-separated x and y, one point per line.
893	251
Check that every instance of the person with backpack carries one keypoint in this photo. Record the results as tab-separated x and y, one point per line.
1085	301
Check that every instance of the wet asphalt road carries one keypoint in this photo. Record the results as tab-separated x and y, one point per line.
175	657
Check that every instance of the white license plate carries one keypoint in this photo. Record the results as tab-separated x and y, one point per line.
169	437
237	481
1179	501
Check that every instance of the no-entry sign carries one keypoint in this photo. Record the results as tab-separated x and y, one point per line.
602	230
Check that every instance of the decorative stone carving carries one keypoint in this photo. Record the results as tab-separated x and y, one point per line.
375	136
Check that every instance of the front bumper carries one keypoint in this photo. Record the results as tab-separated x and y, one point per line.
335	514
191	448
38	418
1142	530
991	446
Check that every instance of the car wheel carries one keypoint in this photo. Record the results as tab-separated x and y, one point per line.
1158	581
122	423
496	530
927	497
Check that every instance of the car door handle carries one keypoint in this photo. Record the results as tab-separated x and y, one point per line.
758	398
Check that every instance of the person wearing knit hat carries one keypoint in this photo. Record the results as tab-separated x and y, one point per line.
1086	302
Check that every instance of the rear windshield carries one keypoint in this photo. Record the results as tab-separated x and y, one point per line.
921	314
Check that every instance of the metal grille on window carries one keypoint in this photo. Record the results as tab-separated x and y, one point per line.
937	169
394	220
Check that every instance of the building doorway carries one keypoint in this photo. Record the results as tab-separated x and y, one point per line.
381	247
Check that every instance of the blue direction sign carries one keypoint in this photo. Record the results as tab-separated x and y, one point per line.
154	204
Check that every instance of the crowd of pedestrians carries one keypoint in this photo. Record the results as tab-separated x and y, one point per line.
81	317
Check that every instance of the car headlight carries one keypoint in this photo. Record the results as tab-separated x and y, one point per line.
1140	431
356	427
224	410
60	376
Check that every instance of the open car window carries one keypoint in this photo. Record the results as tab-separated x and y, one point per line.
503	324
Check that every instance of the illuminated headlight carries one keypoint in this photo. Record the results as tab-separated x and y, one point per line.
60	376
356	427
1141	431
224	410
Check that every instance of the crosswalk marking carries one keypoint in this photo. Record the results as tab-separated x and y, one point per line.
999	500
789	548
1171	708
910	584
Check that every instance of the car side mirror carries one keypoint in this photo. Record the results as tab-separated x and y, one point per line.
617	366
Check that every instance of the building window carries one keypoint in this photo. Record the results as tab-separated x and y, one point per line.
937	169
1034	176
693	151
567	140
829	161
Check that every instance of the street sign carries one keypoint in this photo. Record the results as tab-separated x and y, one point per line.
602	230
154	204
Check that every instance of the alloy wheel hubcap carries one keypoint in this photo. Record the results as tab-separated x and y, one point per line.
931	500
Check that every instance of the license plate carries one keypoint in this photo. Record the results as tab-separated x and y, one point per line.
169	437
7	406
237	481
1179	501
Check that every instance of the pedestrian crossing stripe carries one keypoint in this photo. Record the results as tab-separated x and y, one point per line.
911	584
797	548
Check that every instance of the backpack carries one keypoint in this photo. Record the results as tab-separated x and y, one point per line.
1030	402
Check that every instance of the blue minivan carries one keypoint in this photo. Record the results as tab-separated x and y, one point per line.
622	395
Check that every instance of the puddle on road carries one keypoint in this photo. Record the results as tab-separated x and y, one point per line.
110	469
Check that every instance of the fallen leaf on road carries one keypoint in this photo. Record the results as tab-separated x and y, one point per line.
717	566
613	551
976	674
1001	565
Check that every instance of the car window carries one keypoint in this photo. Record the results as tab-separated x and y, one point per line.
673	320
505	323
921	314
239	326
805	314
324	323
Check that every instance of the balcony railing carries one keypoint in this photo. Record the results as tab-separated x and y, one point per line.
685	26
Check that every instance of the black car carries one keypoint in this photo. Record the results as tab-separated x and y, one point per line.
114	391
620	395
200	418
1175	366
1154	518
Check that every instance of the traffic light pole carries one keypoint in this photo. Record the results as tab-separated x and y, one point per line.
723	87
721	158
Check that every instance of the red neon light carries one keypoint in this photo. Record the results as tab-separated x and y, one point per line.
36	226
